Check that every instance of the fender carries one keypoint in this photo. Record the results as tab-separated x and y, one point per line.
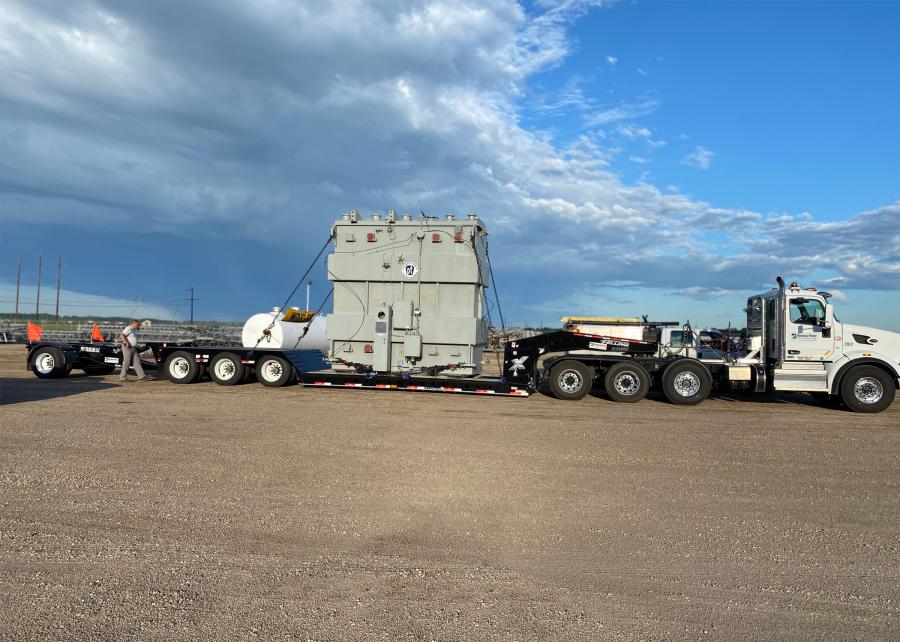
69	353
692	360
875	359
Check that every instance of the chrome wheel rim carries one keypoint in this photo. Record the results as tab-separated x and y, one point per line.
627	383
45	363
570	381
272	370
868	390
179	367
686	384
225	369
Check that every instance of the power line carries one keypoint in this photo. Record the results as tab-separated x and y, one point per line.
191	299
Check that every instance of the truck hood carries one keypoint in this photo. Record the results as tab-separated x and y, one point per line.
863	338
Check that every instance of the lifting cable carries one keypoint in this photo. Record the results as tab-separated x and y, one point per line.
268	330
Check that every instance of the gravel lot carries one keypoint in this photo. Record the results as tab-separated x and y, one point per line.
153	511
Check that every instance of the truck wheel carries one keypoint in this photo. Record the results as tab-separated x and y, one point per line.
867	389
226	369
686	383
570	380
99	370
627	382
181	367
273	371
49	363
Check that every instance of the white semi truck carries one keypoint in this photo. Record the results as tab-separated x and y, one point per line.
794	343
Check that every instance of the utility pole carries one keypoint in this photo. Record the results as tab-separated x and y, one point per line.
37	302
58	273
191	299
18	280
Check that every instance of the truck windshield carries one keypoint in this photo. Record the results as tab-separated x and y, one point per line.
807	311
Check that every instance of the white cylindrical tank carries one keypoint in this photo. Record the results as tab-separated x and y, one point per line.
283	334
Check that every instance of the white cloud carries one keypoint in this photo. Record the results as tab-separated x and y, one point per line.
703	294
267	121
612	60
699	158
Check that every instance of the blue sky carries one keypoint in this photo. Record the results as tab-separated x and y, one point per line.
628	158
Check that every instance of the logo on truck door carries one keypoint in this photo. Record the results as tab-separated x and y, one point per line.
410	270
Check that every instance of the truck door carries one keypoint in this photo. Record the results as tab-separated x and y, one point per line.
808	335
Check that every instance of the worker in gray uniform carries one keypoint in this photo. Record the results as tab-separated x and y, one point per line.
128	339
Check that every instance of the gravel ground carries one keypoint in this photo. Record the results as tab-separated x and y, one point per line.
157	512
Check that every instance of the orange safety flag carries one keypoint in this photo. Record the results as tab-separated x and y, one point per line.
96	335
34	331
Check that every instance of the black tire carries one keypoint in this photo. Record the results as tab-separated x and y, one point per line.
627	382
570	380
867	389
686	383
180	367
49	363
273	371
98	370
226	369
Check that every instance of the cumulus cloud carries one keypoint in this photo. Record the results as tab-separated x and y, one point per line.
699	158
266	121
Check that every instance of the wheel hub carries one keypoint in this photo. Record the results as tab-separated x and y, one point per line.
686	384
180	367
45	363
627	384
272	371
868	390
570	381
225	369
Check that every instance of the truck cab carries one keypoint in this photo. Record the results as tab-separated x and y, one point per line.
804	347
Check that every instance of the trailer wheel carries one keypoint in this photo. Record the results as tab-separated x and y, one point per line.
627	382
99	370
273	371
181	367
570	380
867	389
226	369
48	363
686	383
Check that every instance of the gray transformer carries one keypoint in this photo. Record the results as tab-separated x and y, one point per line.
408	294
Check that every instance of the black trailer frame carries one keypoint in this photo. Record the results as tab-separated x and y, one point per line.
227	365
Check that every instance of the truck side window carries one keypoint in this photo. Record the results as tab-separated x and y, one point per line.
807	311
